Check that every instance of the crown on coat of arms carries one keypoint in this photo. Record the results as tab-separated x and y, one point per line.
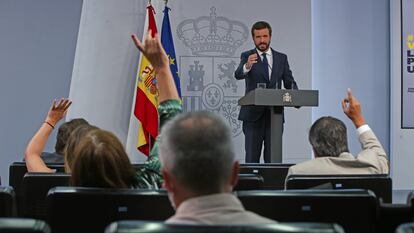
212	35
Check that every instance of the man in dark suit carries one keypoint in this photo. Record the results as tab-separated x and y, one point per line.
266	68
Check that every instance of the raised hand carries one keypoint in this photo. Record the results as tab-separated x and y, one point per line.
251	60
58	111
152	50
156	55
352	108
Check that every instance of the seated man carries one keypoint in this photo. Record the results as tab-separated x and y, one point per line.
197	156
330	146
200	171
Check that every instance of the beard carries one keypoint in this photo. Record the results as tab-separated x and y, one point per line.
262	47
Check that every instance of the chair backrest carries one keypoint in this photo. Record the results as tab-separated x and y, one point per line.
393	215
76	209
35	187
354	210
7	202
159	227
23	225
249	182
405	228
16	172
381	184
274	174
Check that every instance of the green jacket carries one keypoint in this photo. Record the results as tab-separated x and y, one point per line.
149	176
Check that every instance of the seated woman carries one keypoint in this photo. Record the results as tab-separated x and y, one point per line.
99	160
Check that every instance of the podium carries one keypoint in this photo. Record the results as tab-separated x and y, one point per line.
276	99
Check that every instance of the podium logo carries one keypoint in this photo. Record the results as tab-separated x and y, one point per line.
287	98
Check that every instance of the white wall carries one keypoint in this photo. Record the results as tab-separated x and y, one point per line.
37	48
350	45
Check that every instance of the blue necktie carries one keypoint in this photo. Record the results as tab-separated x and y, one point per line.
266	65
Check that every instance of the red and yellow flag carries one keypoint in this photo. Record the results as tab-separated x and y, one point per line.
146	100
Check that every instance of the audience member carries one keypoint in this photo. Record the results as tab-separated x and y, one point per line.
94	157
62	136
74	140
197	155
328	138
34	161
169	105
100	160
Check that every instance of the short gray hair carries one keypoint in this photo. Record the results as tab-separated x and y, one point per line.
328	137
197	148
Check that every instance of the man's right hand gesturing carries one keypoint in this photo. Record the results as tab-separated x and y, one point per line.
251	60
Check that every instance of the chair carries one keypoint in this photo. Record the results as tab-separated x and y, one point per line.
35	187
249	182
23	225
92	209
274	174
405	228
7	202
16	173
159	227
381	184
393	215
354	210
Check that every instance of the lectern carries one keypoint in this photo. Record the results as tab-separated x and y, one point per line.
276	99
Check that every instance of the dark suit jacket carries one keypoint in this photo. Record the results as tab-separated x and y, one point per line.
280	72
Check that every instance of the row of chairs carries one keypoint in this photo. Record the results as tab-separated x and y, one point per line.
34	187
15	225
268	177
20	225
253	176
68	208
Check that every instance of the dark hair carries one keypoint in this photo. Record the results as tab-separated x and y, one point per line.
64	132
261	25
328	137
100	160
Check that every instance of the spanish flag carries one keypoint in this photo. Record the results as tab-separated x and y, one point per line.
146	99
